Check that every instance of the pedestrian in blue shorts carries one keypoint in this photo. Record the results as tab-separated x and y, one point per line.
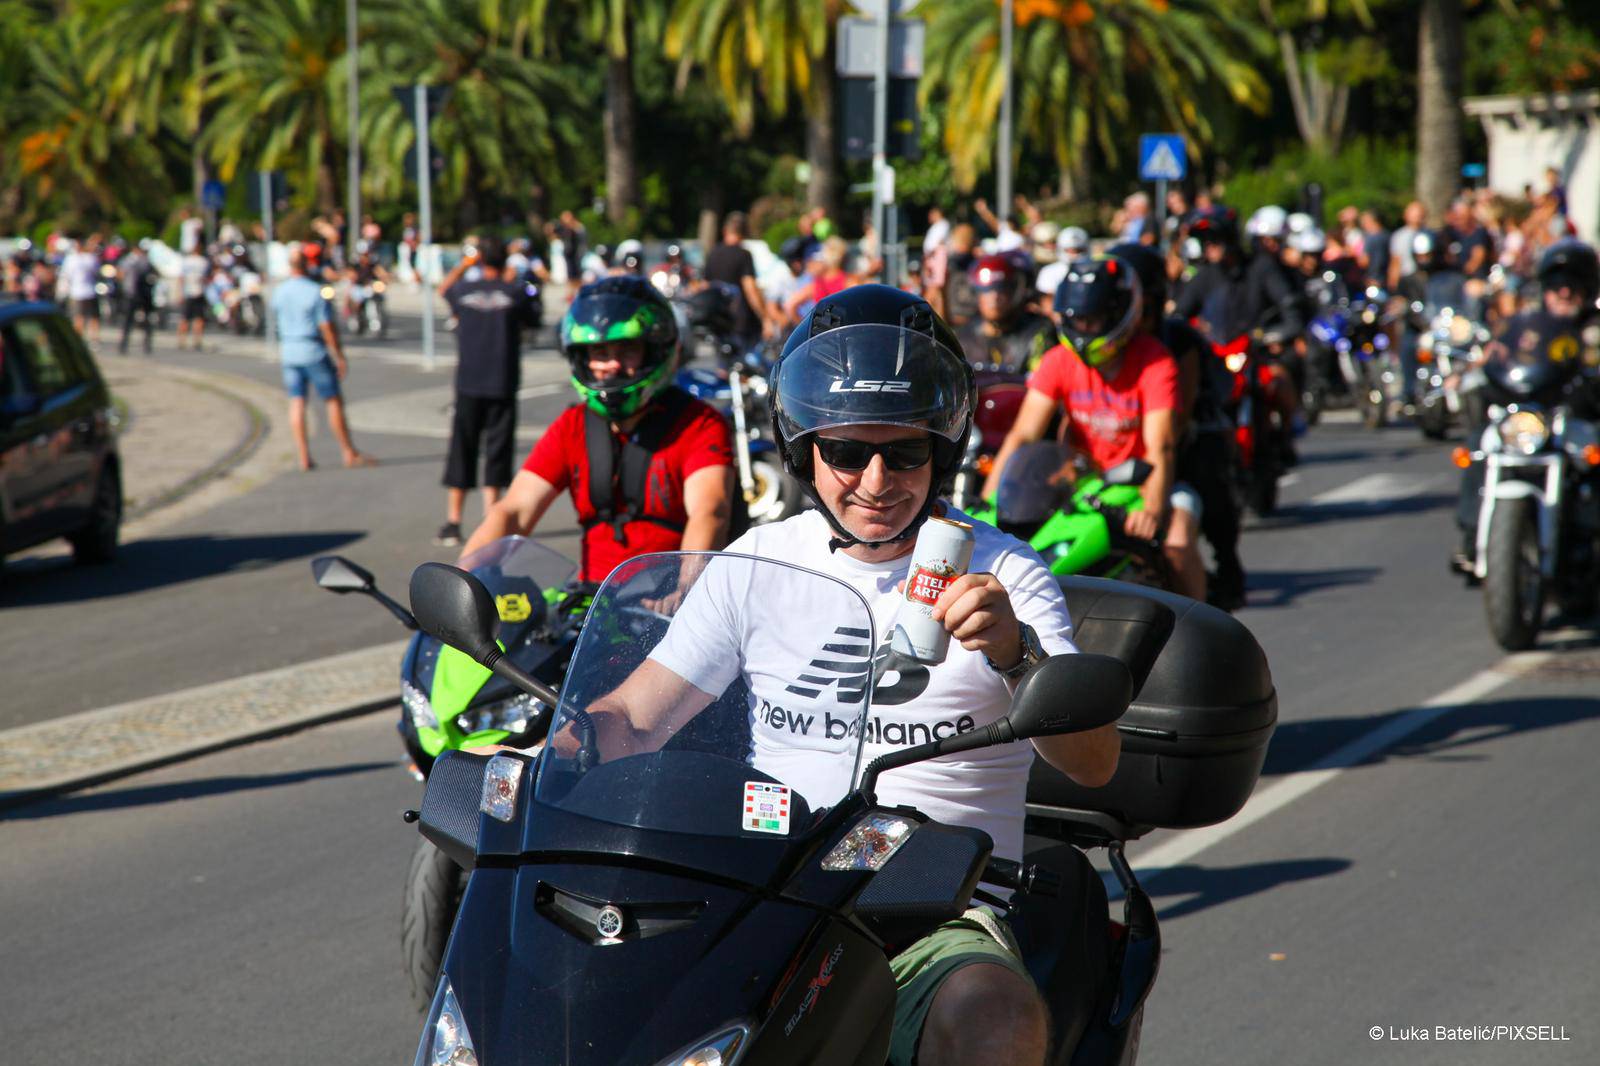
308	346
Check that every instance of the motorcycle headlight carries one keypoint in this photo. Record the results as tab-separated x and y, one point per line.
510	714
415	701
445	1040
724	1049
1524	432
378	287
328	292
1235	362
108	271
1462	330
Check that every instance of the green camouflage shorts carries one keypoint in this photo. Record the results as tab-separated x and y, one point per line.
919	971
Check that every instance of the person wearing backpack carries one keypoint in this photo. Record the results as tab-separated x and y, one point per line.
139	281
648	466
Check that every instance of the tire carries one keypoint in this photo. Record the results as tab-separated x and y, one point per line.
1513	589
433	895
1434	420
777	494
96	542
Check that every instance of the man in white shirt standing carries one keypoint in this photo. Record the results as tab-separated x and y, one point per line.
81	270
194	270
872	404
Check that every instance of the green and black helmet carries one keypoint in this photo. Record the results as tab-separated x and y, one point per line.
620	309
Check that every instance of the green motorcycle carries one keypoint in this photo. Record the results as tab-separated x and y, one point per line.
1072	514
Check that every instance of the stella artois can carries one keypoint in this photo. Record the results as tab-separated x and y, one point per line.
943	553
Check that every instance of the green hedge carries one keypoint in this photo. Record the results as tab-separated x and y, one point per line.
1369	174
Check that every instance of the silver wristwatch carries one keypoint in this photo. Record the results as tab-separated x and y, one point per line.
1033	654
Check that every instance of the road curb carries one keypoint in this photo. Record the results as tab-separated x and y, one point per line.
67	754
243	448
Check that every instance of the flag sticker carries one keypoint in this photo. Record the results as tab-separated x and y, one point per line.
766	807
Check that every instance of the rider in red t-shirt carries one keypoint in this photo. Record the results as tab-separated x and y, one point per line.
622	341
1118	387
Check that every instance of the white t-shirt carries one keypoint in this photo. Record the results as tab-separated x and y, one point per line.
1051	275
80	270
190	231
804	670
193	270
935	236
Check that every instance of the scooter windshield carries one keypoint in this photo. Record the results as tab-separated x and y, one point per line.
716	694
518	559
1037	480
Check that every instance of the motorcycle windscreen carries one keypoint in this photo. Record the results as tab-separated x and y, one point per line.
1036	481
714	694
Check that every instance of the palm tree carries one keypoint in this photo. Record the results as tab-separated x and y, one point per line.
1439	75
613	26
1320	71
278	96
508	118
765	51
149	54
68	155
1090	75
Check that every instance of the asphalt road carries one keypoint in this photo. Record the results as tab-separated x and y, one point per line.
245	906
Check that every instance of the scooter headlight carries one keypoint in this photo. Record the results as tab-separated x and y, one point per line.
724	1049
1524	432
445	1040
416	703
869	845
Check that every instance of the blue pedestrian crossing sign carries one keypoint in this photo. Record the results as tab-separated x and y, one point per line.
1162	157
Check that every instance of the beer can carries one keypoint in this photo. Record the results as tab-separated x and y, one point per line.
943	553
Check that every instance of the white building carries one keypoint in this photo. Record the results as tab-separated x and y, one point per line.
1529	133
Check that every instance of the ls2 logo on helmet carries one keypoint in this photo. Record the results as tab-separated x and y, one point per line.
868	385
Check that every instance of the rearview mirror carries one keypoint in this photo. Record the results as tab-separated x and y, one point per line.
338	574
1131	472
453	606
1070	694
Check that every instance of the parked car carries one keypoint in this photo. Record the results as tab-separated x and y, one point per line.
60	475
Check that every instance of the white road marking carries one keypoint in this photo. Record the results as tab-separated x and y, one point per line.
1187	844
1379	488
528	392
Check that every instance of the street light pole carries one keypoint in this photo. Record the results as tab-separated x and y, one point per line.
353	219
1003	164
425	219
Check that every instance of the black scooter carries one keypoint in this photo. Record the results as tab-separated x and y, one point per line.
682	906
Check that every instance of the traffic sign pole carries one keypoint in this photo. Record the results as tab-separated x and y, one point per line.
1161	213
1003	163
264	178
880	119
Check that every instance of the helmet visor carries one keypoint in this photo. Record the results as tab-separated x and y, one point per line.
873	374
605	317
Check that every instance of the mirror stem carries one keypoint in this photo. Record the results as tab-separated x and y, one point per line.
405	617
497	662
994	733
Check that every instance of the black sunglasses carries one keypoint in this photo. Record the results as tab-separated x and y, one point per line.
845	454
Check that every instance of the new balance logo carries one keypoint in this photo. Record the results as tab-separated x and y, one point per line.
849	674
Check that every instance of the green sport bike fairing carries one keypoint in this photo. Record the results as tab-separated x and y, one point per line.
449	702
1072	514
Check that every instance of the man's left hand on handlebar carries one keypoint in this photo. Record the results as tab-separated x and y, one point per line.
1143	525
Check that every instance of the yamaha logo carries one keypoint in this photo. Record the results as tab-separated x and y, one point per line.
608	923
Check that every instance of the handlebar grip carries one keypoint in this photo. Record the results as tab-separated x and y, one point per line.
1033	880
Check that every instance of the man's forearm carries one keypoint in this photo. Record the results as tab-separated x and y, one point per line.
706	531
497	523
1158	488
1088	758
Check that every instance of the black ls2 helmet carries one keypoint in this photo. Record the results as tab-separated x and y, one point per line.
872	355
1572	262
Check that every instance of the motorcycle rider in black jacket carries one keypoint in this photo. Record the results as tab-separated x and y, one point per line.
1569	284
1205	445
1434	284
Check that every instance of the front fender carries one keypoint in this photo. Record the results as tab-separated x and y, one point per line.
1517	490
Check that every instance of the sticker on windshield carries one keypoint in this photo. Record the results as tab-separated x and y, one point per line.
513	607
766	807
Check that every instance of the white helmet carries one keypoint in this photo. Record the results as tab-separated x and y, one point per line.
1268	221
1308	241
1300	222
627	248
1072	239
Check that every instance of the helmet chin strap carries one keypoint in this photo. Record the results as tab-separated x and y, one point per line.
845	539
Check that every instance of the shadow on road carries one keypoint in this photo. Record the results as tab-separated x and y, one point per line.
157	562
1281	588
1355	455
146	795
1295	515
1452	737
1201	888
